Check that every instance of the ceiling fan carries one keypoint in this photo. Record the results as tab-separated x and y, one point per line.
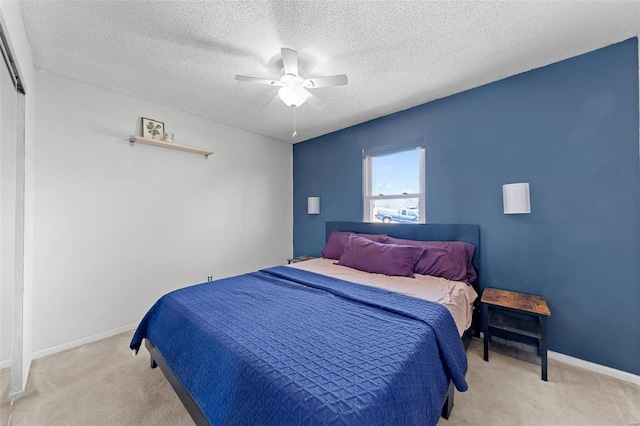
293	87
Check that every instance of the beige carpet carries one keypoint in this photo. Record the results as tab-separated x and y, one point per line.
102	384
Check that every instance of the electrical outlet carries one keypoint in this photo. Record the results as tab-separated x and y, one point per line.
210	278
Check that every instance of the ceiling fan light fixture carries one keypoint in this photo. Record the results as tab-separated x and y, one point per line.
293	96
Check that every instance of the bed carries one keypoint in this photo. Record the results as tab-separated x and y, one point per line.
290	345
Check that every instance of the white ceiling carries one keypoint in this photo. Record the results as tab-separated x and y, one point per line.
397	54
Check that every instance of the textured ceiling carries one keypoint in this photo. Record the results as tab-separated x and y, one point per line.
185	54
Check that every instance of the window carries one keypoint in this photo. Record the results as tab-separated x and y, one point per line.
394	187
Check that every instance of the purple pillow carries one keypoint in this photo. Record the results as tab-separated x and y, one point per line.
338	240
448	259
389	259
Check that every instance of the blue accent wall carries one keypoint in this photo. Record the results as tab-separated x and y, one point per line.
570	129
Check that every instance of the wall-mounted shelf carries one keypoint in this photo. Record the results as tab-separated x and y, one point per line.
169	145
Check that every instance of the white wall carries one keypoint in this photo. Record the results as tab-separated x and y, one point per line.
116	226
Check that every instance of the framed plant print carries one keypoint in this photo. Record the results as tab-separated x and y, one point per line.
152	129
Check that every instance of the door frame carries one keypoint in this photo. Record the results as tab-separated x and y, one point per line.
18	381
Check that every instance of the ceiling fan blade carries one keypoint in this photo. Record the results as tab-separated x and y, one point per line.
332	80
258	80
272	100
290	61
315	102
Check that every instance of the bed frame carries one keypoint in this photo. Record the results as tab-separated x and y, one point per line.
422	232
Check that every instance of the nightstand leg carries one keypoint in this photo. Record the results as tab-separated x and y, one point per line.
543	346
485	330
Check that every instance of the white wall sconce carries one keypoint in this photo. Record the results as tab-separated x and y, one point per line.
515	197
313	205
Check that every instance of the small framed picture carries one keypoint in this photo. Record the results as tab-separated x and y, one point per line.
152	129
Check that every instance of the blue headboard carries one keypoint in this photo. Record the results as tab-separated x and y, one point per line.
421	232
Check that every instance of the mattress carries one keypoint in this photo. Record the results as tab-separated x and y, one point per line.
456	296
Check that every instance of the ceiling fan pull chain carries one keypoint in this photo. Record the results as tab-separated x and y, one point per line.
295	132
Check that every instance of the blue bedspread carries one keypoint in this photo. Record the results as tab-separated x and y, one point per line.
284	346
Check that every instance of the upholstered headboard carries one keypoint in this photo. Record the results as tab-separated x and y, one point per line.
421	232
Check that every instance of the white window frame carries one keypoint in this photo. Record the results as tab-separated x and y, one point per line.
368	187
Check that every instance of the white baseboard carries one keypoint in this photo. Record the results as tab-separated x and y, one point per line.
59	348
598	368
89	339
591	366
15	395
577	362
70	345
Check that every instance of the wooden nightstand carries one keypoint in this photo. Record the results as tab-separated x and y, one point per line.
515	316
299	259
